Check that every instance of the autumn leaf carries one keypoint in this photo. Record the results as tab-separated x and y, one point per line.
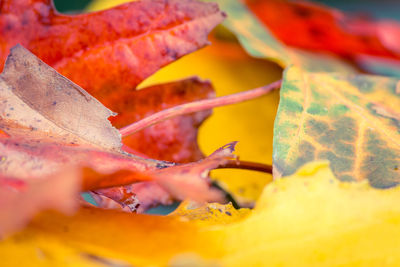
334	223
119	47
317	27
350	120
36	98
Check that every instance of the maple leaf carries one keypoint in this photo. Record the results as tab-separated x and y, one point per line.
350	120
119	47
335	222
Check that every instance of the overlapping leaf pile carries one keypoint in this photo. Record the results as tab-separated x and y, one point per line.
53	132
49	123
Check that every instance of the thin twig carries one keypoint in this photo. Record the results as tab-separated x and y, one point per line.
197	106
247	165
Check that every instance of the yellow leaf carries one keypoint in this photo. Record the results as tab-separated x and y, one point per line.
309	218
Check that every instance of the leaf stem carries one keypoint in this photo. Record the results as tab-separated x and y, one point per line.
197	106
247	165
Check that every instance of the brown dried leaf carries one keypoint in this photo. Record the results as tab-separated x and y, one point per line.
35	97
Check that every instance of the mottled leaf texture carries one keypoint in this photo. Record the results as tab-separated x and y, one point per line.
260	43
111	49
351	120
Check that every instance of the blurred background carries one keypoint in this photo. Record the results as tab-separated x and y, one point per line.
381	8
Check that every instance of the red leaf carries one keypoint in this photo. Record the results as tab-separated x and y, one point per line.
109	50
317	27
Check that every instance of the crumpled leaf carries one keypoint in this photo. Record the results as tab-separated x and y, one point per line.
119	47
260	43
36	98
311	215
350	120
182	181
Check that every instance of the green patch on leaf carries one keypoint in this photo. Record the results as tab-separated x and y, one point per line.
338	110
292	105
317	109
